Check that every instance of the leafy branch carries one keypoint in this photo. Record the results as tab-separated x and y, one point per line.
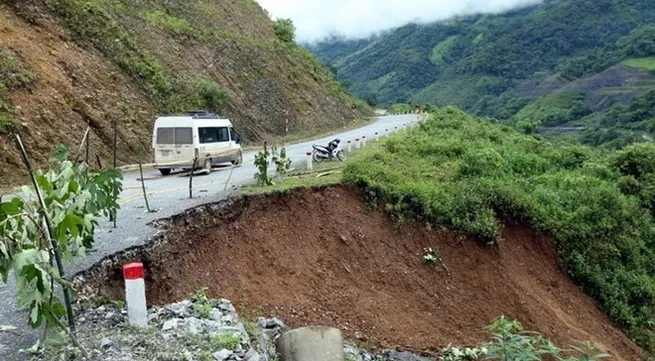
55	219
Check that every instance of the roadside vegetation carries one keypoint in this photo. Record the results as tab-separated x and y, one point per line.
468	173
53	221
13	75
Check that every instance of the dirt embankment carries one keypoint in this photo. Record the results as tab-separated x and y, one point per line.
82	77
319	257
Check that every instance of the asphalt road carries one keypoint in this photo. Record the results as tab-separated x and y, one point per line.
168	195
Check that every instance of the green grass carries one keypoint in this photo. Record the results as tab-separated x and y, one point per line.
325	173
13	75
646	63
465	172
168	22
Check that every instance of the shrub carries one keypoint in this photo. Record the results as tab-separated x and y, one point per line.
213	95
463	171
12	76
285	30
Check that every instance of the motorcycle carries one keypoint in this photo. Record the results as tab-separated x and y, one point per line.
332	151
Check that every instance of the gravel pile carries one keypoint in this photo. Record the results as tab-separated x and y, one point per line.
198	329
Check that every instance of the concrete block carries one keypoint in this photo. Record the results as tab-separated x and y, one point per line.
314	343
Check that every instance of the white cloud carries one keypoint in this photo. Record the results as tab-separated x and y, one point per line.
316	19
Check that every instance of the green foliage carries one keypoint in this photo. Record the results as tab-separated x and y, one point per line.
200	295
528	126
95	22
285	30
225	340
645	63
511	343
12	76
639	43
465	172
484	63
555	109
75	196
637	164
281	161
262	163
621	125
214	97
168	22
203	309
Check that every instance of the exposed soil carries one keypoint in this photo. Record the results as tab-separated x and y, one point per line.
77	85
319	257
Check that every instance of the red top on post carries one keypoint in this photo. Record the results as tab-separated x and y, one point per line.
133	271
309	154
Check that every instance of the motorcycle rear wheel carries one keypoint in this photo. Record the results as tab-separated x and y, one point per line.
341	155
316	157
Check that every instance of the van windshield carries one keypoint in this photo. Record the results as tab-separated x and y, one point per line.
176	136
213	134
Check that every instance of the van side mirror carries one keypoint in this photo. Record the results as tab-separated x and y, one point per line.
238	138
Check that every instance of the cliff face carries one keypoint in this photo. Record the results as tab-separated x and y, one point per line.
66	64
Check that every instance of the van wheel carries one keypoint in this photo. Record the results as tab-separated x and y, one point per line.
208	166
239	159
165	171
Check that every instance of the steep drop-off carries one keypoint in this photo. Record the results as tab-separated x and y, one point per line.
351	269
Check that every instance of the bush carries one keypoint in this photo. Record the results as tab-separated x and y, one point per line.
12	76
213	95
285	30
463	171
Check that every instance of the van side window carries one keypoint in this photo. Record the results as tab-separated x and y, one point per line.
208	135
213	135
224	134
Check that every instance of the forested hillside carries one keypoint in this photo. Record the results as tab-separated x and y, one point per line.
583	56
66	64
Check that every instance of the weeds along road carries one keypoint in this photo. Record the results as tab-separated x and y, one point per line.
169	195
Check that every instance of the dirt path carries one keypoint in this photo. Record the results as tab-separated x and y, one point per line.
285	256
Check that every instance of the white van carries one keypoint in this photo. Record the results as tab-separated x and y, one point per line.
179	139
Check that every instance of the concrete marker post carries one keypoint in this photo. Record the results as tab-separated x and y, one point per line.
377	137
135	294
310	164
357	145
349	147
386	133
363	141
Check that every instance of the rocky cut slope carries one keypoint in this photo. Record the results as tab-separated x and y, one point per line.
68	63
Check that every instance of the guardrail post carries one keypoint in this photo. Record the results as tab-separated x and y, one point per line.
363	141
357	145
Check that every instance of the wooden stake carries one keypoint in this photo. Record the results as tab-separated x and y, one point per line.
195	160
79	150
143	186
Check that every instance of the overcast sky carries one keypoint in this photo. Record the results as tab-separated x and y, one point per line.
316	19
